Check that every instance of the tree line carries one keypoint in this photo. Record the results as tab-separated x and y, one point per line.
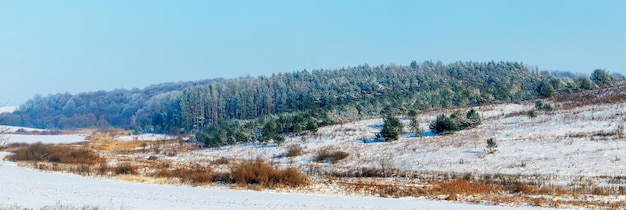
299	101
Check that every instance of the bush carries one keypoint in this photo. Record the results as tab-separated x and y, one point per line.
125	168
532	113
325	155
539	105
456	122
56	153
391	127
415	124
293	150
195	174
260	173
491	145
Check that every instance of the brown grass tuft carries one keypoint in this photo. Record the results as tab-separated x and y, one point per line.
293	150
326	155
257	172
463	187
56	153
125	168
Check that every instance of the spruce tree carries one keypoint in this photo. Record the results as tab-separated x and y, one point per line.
415	124
391	127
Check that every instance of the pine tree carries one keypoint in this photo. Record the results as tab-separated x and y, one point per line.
391	127
415	124
491	145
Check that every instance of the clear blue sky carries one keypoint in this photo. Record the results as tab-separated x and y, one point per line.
78	46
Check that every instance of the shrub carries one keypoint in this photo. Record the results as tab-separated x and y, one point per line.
56	153
532	113
293	150
125	168
260	173
195	174
464	187
491	145
456	122
539	105
325	155
415	124
391	127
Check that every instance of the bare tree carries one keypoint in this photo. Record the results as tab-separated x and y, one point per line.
3	139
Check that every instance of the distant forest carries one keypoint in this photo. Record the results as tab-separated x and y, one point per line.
305	98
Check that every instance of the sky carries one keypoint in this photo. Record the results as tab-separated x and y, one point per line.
49	47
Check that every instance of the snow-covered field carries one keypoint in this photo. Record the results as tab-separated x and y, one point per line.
570	146
575	142
48	139
8	128
144	137
4	109
28	188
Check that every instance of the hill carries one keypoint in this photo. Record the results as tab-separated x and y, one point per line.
328	97
570	156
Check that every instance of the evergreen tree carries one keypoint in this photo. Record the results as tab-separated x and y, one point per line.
391	127
491	145
456	122
545	89
415	124
584	83
473	117
602	78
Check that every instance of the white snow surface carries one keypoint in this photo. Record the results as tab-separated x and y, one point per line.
4	109
28	188
145	137
563	143
9	128
46	139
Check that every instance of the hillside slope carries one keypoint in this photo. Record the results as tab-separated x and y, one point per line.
189	106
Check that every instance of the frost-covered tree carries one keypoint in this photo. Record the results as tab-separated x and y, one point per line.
602	78
545	89
584	83
455	122
491	145
391	127
415	124
3	140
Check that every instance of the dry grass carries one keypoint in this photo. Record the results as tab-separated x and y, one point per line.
454	188
56	153
125	168
327	155
105	142
293	150
257	172
133	178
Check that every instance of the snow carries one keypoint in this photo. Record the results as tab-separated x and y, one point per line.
8	128
28	188
567	146
563	143
4	109
48	139
145	137
12	137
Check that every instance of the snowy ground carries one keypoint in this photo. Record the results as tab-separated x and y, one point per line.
144	137
48	139
4	109
29	188
15	128
569	142
567	146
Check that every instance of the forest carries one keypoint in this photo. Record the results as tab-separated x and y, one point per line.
225	111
